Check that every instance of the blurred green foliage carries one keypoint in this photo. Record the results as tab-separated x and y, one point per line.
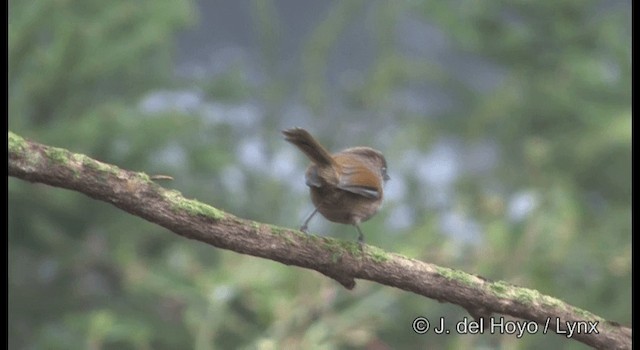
83	274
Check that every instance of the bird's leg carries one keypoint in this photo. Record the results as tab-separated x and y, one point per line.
360	236
303	228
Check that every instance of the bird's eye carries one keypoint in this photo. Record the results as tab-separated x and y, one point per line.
385	177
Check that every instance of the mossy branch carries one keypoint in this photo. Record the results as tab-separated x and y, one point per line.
137	194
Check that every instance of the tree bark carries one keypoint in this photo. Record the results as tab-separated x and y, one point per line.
344	262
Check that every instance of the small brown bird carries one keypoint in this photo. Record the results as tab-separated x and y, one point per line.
345	187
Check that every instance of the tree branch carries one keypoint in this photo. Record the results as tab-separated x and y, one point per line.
343	261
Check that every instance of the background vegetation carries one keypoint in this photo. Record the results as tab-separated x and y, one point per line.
506	125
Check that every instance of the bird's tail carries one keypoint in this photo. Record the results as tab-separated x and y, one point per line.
308	145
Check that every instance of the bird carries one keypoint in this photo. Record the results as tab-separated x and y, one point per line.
345	187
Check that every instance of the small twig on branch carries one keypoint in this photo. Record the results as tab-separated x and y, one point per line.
160	177
137	194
